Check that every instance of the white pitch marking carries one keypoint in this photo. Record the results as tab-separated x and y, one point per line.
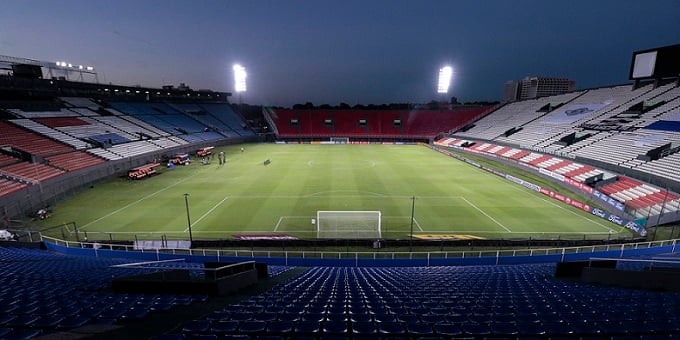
207	213
276	227
567	210
135	202
485	214
418	224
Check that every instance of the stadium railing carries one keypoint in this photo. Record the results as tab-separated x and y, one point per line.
372	258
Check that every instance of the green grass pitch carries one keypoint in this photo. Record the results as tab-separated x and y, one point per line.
246	197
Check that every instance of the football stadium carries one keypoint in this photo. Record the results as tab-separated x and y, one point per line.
173	213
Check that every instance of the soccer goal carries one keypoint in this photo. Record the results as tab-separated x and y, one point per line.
339	140
348	224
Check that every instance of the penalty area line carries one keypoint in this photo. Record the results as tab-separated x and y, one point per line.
485	214
207	213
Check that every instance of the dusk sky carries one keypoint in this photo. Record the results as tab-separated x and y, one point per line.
325	51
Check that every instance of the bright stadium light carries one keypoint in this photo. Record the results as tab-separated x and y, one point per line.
239	78
445	74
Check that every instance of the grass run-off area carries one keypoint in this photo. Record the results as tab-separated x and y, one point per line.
245	196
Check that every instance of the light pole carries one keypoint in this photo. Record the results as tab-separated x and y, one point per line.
186	203
413	208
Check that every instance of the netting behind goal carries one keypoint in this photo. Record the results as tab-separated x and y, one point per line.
348	224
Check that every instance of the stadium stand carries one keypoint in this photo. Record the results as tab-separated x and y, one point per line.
73	161
415	124
31	171
35	143
442	302
226	114
8	186
45	292
642	200
52	133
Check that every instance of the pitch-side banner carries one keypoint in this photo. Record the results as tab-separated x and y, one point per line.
572	113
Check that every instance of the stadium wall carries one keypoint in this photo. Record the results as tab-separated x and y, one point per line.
432	259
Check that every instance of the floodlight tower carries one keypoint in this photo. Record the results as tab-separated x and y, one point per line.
445	74
239	80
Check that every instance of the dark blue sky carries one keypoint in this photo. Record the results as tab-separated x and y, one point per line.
330	51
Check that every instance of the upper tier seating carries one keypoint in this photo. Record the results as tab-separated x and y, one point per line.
224	113
43	114
619	128
514	114
79	102
209	119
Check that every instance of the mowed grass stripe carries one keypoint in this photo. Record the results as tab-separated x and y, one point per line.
303	179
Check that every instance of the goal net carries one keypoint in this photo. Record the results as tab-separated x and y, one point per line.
348	224
339	140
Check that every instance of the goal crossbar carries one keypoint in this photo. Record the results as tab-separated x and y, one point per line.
348	224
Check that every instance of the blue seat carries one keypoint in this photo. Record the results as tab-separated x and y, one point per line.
4	319
196	327
252	327
476	329
318	317
378	318
222	327
279	328
447	329
306	328
408	318
22	321
22	333
134	314
73	321
336	316
48	321
419	329
364	329
161	306
265	316
218	315
360	317
335	328
503	329
432	318
456	318
391	328
289	316
241	316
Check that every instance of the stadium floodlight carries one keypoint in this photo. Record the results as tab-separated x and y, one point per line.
90	68
445	74
239	78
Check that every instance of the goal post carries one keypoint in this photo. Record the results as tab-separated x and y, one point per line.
348	224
